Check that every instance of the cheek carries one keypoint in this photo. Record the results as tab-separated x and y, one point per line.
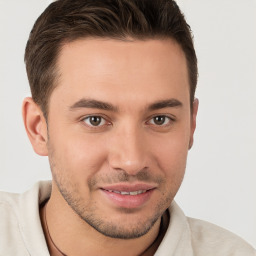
170	153
77	157
172	163
172	159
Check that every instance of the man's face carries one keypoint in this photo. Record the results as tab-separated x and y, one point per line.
119	128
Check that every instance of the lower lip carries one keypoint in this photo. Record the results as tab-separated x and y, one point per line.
128	201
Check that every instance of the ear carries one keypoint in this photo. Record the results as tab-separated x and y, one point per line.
35	125
193	122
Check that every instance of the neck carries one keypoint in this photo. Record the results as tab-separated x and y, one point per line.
73	236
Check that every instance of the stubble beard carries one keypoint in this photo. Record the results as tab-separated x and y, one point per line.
113	229
103	224
88	212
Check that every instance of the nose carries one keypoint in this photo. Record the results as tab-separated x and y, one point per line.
128	151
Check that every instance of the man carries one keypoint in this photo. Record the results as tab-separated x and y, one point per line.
113	108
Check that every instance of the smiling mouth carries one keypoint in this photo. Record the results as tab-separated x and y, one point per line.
129	193
129	197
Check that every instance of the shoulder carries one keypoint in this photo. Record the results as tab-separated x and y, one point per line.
210	239
20	226
193	237
10	229
8	208
15	204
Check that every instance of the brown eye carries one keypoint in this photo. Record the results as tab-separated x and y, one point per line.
160	120
94	121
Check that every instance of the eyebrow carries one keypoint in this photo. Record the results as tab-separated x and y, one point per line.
91	103
169	103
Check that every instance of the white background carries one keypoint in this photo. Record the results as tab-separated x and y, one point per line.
220	183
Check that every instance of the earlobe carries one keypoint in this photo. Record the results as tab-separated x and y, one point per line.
193	122
35	125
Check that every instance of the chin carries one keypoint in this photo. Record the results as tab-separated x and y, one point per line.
124	228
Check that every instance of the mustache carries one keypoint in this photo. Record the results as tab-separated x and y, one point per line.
119	176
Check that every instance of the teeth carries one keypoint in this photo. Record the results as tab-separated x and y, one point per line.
132	193
124	193
118	192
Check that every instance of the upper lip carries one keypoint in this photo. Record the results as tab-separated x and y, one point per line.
129	187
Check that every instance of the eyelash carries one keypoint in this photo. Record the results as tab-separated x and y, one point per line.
167	118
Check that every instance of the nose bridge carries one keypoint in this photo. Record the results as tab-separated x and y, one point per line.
128	150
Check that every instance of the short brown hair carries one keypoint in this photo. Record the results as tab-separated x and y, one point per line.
67	20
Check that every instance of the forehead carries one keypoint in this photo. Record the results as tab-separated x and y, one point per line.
105	68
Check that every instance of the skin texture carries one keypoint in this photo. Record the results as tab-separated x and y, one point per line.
128	146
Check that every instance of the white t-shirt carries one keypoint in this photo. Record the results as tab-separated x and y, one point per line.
21	233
